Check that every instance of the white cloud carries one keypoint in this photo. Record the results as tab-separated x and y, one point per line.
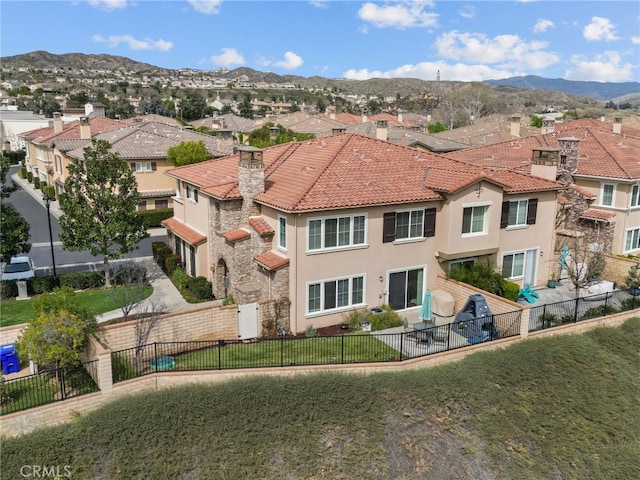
319	3
606	67
401	15
429	71
600	29
208	7
133	43
291	61
468	11
229	56
108	5
505	51
542	25
635	40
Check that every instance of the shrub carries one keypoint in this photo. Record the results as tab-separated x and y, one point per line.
23	172
480	275
82	280
153	218
172	262
356	318
8	289
599	311
61	198
30	177
42	284
548	319
200	287
160	251
228	300
50	191
310	332
511	291
387	319
36	182
179	278
128	273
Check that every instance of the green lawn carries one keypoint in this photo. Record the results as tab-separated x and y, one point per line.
545	408
14	312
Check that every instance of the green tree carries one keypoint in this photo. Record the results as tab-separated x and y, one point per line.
40	103
265	137
59	331
192	106
153	104
77	100
14	229
436	127
245	107
536	121
100	204
186	153
120	108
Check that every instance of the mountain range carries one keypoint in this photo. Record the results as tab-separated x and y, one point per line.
601	91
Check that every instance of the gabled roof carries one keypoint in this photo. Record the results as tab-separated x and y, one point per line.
489	130
601	153
261	226
348	170
151	140
47	135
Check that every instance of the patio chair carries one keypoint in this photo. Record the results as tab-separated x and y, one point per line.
408	329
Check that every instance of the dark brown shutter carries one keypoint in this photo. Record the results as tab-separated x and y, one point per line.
430	222
153	166
133	166
532	211
504	220
389	227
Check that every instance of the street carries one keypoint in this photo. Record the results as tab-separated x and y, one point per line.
36	215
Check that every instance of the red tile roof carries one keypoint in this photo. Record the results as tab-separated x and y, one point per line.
271	260
261	226
236	234
602	153
593	214
350	170
186	233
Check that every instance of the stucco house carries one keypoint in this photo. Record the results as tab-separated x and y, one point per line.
347	221
598	164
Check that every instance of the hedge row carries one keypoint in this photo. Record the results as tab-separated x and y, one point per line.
153	218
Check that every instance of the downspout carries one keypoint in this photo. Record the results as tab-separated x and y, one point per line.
295	221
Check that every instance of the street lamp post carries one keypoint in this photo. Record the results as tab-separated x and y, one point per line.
47	201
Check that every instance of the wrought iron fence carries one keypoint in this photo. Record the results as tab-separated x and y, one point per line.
582	308
301	351
48	386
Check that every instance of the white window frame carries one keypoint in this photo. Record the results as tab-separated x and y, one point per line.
191	193
282	232
485	218
454	263
178	189
339	221
511	275
349	300
139	167
518	208
613	194
634	196
629	240
418	228
147	167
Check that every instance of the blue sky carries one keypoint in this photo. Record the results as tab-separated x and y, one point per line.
463	40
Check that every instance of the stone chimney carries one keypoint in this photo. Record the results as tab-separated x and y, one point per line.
544	162
250	180
548	125
224	141
381	130
568	161
514	124
617	125
85	128
57	122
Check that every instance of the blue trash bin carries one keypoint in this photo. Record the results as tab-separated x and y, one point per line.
9	359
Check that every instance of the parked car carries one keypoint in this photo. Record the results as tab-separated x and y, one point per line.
18	268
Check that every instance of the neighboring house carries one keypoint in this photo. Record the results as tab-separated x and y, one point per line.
347	222
600	168
13	123
144	146
45	160
492	129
